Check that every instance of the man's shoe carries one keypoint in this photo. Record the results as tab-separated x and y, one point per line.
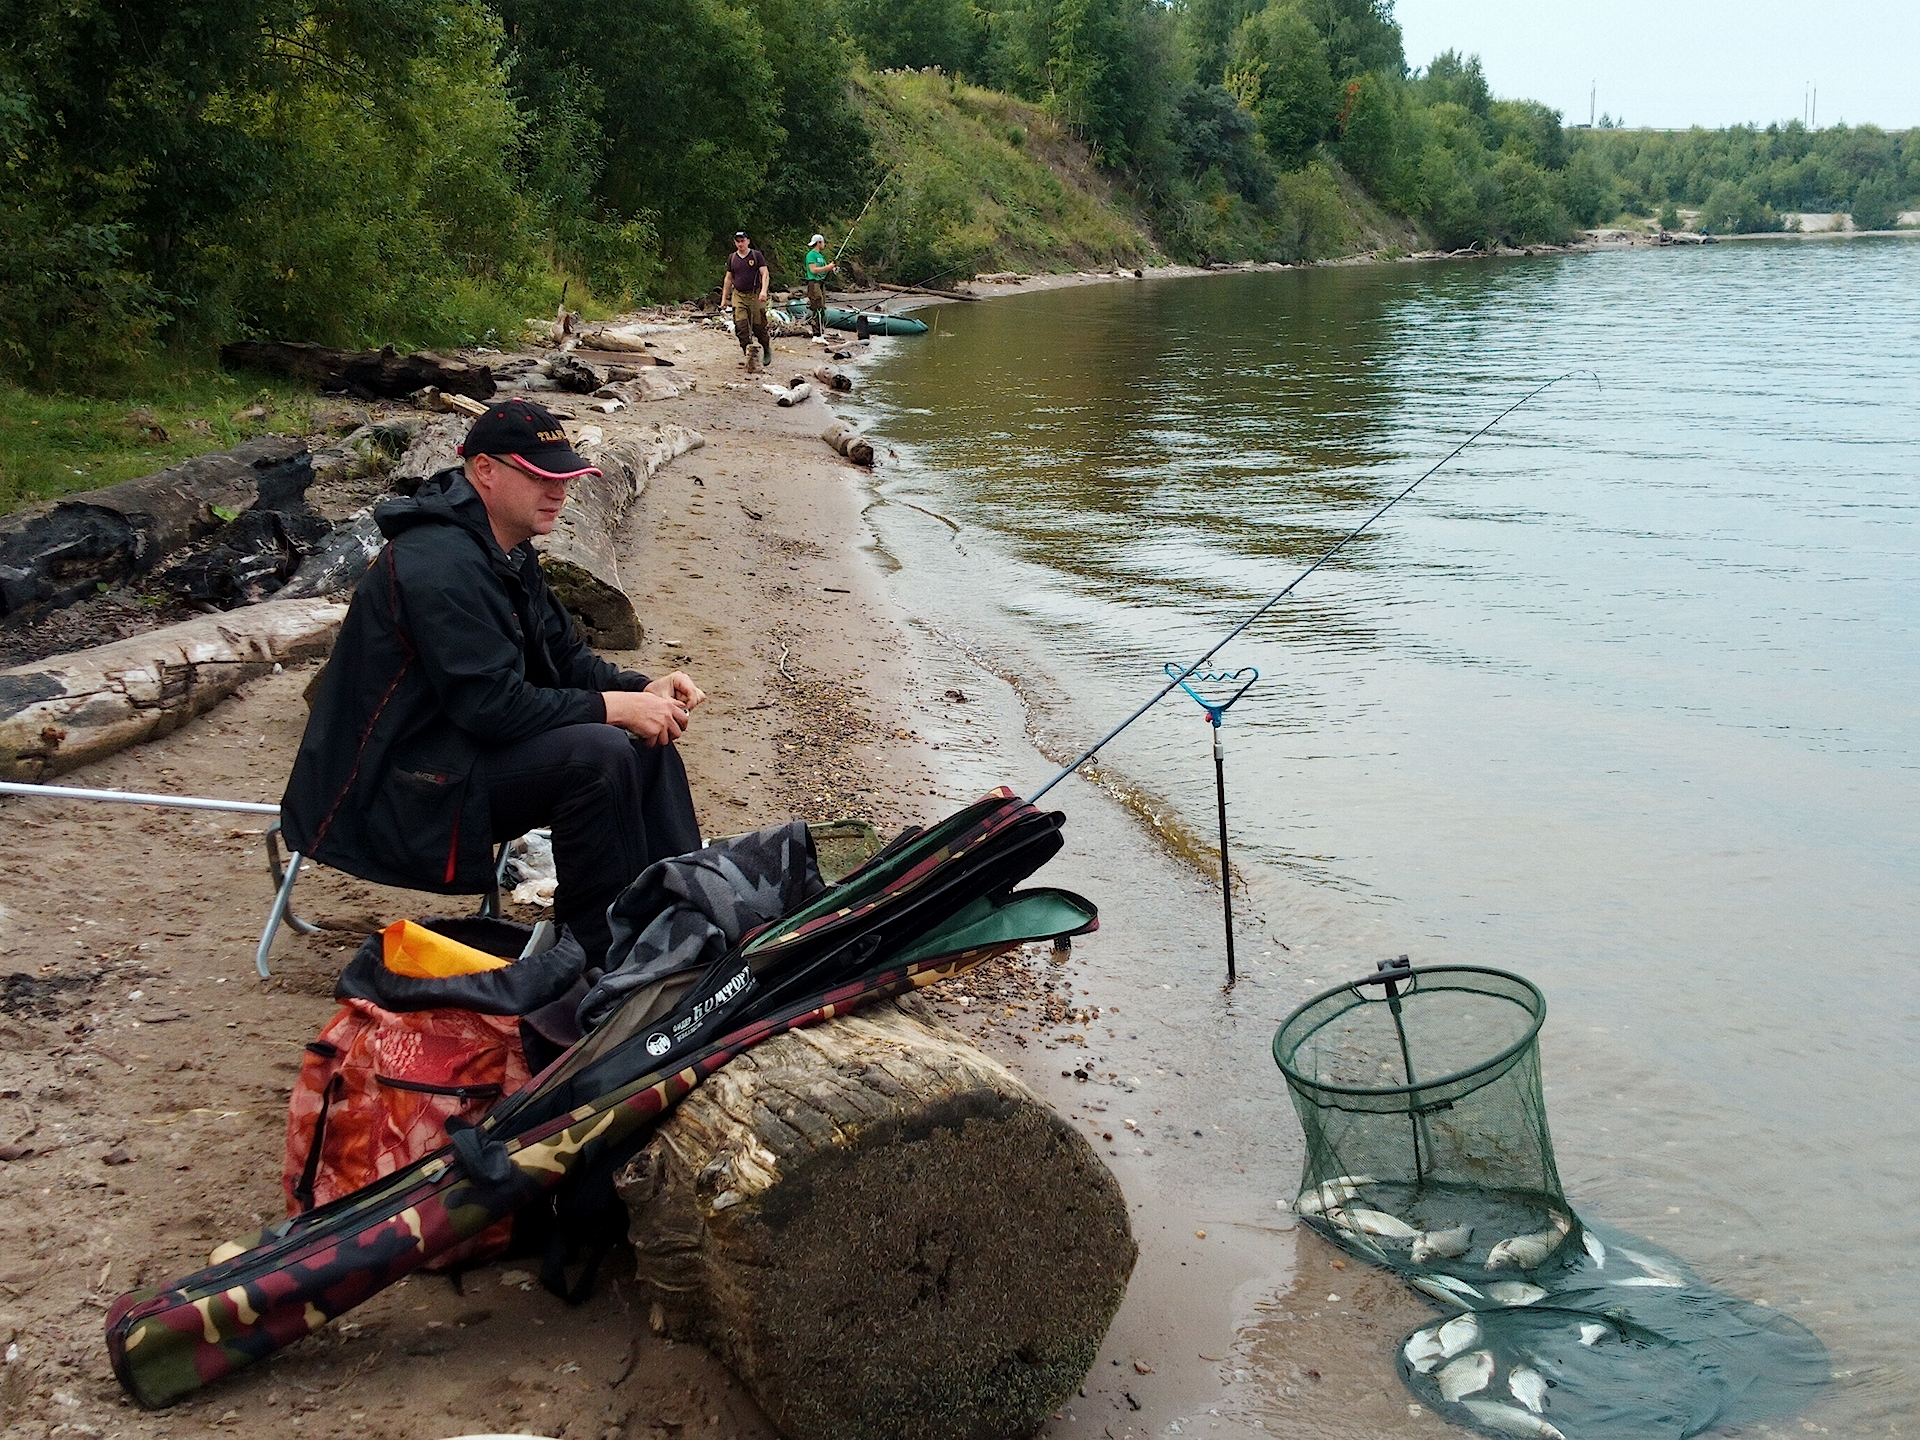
766	354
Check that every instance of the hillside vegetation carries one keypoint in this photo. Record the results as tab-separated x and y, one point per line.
974	180
360	172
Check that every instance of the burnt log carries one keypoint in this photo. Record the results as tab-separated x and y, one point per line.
336	567
573	374
882	1232
365	374
56	553
69	710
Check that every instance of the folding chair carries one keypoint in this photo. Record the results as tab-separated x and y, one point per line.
286	873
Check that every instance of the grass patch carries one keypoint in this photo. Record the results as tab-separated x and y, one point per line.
981	181
53	443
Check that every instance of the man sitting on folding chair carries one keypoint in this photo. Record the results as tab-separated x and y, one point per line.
461	708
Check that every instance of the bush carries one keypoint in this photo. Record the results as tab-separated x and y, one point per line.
914	230
71	302
1733	209
1529	214
1874	206
1311	220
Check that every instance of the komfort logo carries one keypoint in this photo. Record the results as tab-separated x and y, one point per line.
721	996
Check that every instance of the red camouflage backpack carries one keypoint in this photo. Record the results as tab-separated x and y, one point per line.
404	1056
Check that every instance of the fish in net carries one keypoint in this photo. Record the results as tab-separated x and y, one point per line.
1429	1154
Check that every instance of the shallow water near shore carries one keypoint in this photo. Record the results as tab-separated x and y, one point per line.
1623	700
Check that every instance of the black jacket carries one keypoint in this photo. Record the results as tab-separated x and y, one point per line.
450	647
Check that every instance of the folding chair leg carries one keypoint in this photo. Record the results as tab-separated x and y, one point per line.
277	914
490	902
282	901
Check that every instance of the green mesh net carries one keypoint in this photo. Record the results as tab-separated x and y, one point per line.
1428	1153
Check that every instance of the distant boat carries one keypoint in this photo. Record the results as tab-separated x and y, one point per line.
877	323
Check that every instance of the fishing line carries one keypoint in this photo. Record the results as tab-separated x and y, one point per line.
1341	544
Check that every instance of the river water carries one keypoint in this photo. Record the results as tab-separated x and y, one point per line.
1624	699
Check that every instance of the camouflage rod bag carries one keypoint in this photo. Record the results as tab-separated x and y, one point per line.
927	908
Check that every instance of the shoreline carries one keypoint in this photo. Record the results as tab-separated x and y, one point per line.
144	1074
1180	1099
754	564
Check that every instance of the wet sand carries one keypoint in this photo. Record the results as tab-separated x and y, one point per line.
1229	1326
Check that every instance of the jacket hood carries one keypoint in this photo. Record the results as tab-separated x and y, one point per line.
444	498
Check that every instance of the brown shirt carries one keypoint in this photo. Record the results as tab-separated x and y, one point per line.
745	269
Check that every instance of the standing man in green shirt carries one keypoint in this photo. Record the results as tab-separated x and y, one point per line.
818	268
748	282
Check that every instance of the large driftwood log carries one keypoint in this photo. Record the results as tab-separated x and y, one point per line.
55	553
367	374
580	558
923	290
849	442
883	1233
61	713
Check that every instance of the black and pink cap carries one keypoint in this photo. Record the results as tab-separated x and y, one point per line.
531	436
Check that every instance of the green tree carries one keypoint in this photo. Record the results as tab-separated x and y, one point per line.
1450	80
683	95
1206	29
912	34
1529	213
1732	208
1360	35
1217	136
1530	130
1277	68
1874	206
1588	190
825	150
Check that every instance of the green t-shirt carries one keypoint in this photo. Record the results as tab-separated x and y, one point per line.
814	257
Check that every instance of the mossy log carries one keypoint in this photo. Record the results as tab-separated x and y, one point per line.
883	1233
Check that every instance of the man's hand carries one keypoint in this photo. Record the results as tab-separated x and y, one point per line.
678	686
657	719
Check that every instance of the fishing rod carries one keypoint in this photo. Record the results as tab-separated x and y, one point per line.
847	239
1175	682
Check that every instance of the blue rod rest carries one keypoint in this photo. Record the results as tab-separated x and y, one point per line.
1214	708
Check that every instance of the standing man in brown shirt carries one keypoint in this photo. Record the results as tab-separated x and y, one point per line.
748	283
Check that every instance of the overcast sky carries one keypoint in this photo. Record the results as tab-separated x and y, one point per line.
1674	63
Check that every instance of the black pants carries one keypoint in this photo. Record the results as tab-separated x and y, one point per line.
615	806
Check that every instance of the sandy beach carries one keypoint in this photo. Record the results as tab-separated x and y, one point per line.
146	1069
